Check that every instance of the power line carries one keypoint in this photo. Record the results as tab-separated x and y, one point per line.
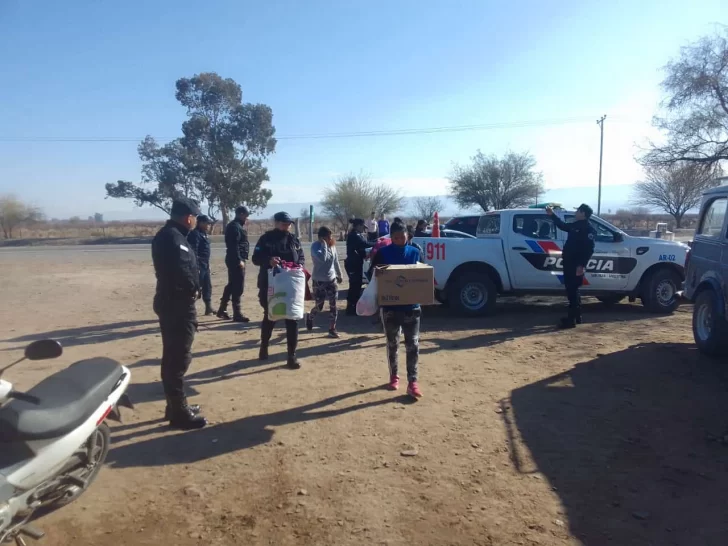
351	134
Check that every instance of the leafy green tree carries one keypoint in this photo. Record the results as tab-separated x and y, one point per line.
220	159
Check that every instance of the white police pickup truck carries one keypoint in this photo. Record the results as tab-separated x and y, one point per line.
518	251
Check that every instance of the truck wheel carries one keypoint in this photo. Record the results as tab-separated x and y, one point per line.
710	330
612	299
659	291
473	294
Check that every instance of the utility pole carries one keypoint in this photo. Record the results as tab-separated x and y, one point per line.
600	122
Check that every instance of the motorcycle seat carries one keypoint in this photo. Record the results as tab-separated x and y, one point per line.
67	399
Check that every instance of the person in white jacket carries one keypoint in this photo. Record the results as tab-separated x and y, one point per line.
325	279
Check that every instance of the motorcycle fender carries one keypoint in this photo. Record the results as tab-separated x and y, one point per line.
125	401
115	414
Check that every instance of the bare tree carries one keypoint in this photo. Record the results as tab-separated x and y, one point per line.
14	213
424	208
357	196
696	106
497	183
675	188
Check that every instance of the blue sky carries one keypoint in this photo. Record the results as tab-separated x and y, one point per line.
107	69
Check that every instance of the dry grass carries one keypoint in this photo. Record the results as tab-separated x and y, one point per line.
91	232
85	231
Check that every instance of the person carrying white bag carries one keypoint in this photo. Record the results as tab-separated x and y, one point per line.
286	292
274	248
367	306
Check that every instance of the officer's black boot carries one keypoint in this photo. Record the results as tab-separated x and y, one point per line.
238	316
222	310
208	309
292	339
182	416
266	331
570	321
168	410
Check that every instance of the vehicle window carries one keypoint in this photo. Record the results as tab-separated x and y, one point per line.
604	234
711	225
462	221
534	226
489	225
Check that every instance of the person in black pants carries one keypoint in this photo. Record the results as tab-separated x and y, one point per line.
577	252
356	254
178	287
276	246
236	255
200	245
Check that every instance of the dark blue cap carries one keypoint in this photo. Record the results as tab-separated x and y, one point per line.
183	206
283	217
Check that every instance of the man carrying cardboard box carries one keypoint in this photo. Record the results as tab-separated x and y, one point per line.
402	316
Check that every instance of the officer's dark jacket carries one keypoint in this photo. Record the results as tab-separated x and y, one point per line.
175	264
579	245
276	244
236	242
356	248
200	245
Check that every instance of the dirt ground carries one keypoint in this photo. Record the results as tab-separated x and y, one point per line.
615	433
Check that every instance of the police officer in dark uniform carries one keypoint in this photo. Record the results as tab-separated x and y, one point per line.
236	256
356	254
575	256
178	286
276	246
200	245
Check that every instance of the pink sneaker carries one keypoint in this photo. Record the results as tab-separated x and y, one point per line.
393	383
413	389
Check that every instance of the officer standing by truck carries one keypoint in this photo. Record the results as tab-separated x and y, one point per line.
575	256
236	256
276	246
200	245
178	286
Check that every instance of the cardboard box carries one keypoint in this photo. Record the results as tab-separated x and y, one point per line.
405	284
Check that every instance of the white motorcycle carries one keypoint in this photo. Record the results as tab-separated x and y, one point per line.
54	438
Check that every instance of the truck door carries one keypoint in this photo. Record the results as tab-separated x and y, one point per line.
612	262
533	251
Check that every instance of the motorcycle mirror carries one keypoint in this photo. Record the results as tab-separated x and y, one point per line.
43	349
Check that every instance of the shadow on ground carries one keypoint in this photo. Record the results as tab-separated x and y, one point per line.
216	440
634	444
150	392
84	335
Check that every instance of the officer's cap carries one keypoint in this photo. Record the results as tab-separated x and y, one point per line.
203	219
283	217
586	209
356	222
184	206
242	209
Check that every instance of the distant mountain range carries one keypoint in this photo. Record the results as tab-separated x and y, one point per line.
613	198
